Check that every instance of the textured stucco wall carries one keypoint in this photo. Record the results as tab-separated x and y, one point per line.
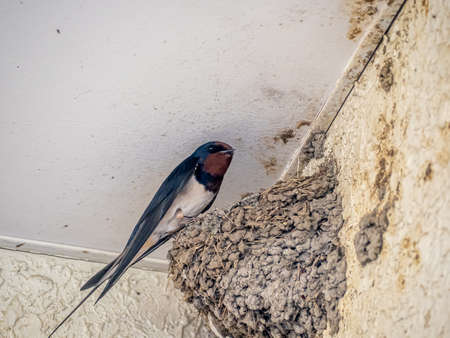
37	291
392	144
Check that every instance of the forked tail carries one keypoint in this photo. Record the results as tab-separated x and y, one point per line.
110	271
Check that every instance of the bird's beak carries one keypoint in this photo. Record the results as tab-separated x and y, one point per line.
228	151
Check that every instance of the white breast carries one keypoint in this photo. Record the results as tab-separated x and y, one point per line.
192	200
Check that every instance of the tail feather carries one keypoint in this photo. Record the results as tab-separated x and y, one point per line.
75	309
122	268
104	274
94	280
112	280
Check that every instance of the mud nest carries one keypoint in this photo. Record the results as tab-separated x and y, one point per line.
269	266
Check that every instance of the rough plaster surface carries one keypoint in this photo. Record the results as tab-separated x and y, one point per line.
391	141
37	291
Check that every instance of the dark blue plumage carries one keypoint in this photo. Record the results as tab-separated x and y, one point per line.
190	189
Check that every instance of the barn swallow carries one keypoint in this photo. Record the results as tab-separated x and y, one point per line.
189	190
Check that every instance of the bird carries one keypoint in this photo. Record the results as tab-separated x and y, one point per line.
189	190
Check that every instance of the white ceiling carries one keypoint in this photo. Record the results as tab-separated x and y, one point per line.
100	100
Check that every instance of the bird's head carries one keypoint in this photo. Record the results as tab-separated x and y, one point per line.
215	157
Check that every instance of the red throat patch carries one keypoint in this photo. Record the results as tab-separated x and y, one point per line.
217	164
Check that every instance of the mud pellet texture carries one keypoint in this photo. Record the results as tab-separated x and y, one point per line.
269	266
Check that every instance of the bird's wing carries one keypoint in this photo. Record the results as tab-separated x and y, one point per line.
164	239
151	217
140	236
155	246
166	193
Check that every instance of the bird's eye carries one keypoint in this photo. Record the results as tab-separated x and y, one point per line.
211	148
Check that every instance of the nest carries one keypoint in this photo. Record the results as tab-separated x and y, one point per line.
269	266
